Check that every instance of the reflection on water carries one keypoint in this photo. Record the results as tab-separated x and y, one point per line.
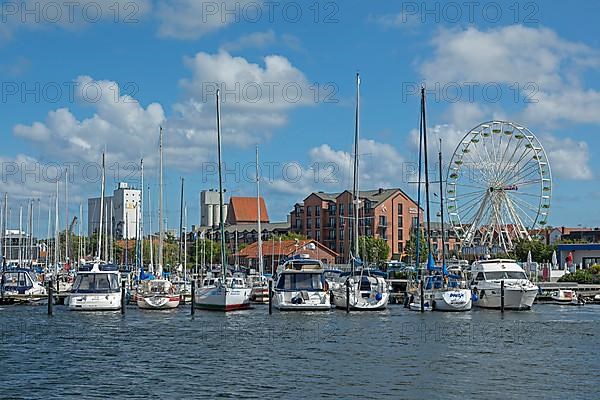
549	352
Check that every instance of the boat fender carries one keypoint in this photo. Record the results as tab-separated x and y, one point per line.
474	296
326	287
482	294
378	296
433	304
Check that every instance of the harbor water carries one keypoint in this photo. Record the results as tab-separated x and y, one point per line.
550	352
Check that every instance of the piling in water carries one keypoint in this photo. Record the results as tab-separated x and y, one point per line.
270	296
347	295
502	295
49	298
193	309
422	296
123	297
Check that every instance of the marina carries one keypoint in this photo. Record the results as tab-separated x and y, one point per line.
397	358
305	200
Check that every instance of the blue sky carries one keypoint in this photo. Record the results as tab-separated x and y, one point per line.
165	56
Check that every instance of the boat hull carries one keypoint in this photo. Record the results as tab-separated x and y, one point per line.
158	302
361	303
95	302
301	301
223	299
452	300
514	298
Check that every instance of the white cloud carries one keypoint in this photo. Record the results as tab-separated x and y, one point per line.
275	87
192	19
544	70
329	169
569	159
119	122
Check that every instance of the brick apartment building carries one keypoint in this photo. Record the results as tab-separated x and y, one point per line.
388	214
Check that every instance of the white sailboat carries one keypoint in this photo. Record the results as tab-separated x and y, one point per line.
368	289
259	285
158	294
224	295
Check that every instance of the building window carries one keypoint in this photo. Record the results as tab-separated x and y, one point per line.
317	211
341	234
400	220
332	222
318	223
400	247
309	224
400	234
341	209
309	211
341	248
318	236
309	234
367	205
400	209
332	208
382	220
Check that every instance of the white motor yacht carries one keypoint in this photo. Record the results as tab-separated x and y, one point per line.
486	281
96	288
301	285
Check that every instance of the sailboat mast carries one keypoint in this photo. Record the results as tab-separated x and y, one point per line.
355	189
56	229
48	247
151	269
66	216
180	223
160	201
260	252
99	251
426	169
418	235
221	205
442	207
20	235
141	217
185	244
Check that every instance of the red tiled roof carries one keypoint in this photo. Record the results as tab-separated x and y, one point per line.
245	210
286	248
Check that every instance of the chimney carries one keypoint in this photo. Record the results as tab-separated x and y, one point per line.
380	190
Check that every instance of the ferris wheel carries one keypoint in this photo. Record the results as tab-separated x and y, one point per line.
499	186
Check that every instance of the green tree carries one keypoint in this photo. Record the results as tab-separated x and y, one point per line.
373	249
290	236
540	252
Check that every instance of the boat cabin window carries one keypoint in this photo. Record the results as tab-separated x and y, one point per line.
17	279
480	277
496	275
96	283
300	281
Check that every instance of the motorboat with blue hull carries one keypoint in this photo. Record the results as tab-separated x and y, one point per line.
97	287
301	286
